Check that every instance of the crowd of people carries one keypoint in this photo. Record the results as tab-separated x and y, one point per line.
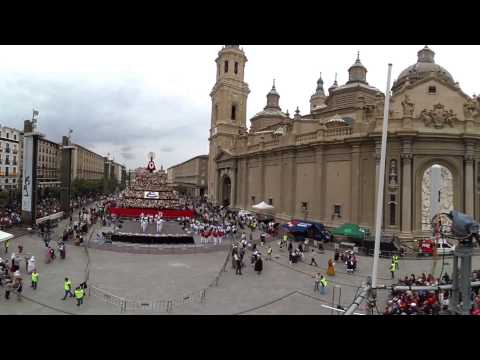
48	206
164	194
239	249
427	302
9	218
150	182
148	203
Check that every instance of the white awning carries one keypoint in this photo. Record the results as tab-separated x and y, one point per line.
55	216
4	236
263	206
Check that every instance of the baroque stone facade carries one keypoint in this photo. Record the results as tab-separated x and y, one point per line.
324	165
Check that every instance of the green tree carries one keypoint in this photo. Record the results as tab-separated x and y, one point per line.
3	198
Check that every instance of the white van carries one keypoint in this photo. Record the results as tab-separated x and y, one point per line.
444	247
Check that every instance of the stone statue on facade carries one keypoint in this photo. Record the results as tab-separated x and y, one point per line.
438	117
471	108
408	106
393	178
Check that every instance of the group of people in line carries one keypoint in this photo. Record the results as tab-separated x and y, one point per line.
156	219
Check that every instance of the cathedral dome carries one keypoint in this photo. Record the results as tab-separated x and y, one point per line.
424	66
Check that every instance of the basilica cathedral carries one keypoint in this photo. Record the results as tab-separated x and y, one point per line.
323	166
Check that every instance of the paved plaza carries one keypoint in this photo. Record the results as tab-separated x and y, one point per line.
281	289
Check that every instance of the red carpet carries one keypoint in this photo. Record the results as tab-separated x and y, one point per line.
135	212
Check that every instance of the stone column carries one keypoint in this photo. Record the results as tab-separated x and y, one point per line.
407	193
281	205
355	179
288	184
469	179
406	204
246	197
233	190
317	200
262	179
293	189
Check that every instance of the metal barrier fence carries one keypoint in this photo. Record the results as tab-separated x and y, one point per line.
107	297
158	305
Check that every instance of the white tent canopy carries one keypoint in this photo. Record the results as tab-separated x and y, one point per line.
4	236
263	206
55	216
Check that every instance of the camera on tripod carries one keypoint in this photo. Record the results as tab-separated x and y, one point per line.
464	227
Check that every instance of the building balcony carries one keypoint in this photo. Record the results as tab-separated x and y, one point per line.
15	151
7	150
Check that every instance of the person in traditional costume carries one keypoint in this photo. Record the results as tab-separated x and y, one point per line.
331	268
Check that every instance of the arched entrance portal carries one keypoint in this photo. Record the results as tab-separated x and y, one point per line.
226	190
437	193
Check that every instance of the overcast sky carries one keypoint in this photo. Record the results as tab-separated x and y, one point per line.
130	100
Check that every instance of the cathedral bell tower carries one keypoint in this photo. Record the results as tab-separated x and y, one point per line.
229	108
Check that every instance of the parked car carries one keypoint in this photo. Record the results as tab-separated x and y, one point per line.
443	247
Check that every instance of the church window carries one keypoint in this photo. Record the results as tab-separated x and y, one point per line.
226	66
337	210
236	67
432	90
234	112
270	202
253	199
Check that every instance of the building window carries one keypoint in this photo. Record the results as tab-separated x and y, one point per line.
226	66
393	210
393	214
8	135
14	137
253	200
6	180
432	90
236	67
337	210
234	112
270	202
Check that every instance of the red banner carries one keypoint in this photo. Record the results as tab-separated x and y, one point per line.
135	212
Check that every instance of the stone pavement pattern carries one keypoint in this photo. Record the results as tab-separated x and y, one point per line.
280	289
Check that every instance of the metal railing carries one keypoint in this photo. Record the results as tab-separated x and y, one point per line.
157	305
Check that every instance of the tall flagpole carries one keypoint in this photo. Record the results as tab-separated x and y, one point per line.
381	182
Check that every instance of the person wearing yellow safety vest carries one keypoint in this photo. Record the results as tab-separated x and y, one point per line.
395	260
269	253
34	279
79	294
393	267
324	284
67	286
284	241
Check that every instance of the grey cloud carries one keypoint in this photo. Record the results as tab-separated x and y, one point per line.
121	114
128	156
167	149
